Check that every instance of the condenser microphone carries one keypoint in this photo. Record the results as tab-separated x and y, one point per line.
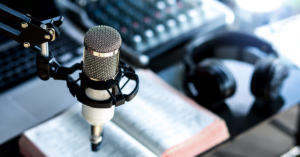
101	53
100	64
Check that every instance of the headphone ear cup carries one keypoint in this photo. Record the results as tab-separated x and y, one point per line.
211	82
267	78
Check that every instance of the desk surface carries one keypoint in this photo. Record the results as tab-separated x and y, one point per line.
238	113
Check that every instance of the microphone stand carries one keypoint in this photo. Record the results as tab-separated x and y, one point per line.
34	32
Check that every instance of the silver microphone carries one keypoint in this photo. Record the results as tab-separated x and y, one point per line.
101	53
100	63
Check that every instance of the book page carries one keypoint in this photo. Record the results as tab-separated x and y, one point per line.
68	135
158	117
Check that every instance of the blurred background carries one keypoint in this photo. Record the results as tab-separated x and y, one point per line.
252	14
177	39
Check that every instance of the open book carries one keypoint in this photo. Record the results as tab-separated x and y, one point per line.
159	121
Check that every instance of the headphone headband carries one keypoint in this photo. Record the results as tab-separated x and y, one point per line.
207	48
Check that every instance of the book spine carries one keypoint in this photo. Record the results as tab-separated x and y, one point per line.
211	136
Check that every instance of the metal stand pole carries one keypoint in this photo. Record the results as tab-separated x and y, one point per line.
44	49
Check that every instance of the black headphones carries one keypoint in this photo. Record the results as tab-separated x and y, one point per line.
208	81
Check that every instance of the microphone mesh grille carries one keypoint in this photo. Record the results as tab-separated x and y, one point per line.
100	68
102	39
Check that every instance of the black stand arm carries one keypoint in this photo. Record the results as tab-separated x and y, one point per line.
33	32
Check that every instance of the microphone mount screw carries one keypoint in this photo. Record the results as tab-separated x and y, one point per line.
26	44
43	26
47	37
52	32
24	25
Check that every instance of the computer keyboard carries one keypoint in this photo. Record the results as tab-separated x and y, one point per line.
2	38
149	27
18	64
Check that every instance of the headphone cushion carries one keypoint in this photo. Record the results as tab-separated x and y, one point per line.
267	78
213	82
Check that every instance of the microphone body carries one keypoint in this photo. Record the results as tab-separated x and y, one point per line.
100	63
97	117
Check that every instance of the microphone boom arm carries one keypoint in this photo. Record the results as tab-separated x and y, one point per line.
32	32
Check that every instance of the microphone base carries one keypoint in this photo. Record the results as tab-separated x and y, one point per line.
95	132
96	147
